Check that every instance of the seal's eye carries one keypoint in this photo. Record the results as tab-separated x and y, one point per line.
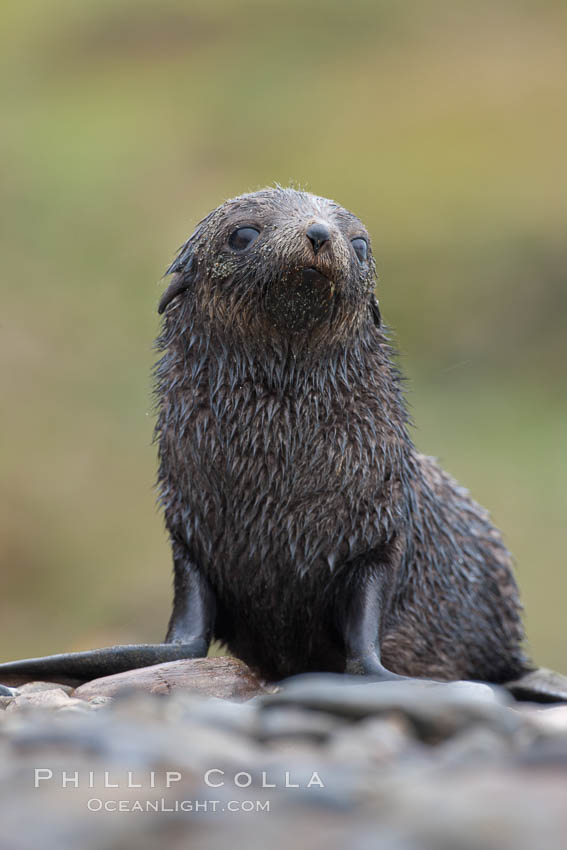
241	239
360	248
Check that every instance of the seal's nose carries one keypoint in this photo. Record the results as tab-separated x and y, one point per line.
318	234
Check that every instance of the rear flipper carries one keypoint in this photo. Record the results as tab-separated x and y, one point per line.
189	635
539	685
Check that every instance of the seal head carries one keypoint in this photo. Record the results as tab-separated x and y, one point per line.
278	261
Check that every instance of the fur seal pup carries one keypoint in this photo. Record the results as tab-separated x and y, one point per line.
308	533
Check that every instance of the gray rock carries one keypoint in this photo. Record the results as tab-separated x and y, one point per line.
33	687
99	702
435	710
291	722
551	721
53	698
475	746
450	767
548	752
374	741
240	717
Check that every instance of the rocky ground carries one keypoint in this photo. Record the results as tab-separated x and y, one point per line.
200	754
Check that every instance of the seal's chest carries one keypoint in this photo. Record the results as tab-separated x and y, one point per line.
303	451
288	480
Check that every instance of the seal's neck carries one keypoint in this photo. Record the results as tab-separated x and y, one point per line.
360	371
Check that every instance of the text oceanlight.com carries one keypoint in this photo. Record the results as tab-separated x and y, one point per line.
95	804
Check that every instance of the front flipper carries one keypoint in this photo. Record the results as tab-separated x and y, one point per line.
361	618
74	668
189	635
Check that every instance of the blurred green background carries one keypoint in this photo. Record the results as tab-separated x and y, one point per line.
443	125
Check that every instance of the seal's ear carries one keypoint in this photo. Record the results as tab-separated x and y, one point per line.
375	311
182	271
179	283
184	266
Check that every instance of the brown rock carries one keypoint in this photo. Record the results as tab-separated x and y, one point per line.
227	678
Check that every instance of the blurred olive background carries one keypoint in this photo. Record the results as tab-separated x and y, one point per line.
443	125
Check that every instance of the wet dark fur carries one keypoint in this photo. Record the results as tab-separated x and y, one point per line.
286	469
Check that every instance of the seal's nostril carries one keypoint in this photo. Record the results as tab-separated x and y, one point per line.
318	234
